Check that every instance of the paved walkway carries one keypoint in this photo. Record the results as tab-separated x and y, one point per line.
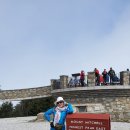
22	123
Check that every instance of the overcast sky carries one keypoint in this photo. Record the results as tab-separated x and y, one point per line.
43	39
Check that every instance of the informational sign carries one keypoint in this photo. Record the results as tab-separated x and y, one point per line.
84	121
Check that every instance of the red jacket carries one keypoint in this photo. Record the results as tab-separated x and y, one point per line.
96	71
82	75
101	79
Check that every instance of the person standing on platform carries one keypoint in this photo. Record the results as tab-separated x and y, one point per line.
105	76
82	78
97	77
111	74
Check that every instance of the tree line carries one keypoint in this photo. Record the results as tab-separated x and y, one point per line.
29	107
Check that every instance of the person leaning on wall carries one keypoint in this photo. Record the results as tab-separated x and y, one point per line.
59	112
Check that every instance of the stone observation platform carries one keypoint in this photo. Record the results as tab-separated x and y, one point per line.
112	99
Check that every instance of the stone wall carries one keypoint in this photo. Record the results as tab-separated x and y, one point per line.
22	94
91	78
55	84
118	107
125	78
114	100
63	81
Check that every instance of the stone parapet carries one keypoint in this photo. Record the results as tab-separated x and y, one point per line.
63	81
96	91
91	78
55	84
22	94
125	78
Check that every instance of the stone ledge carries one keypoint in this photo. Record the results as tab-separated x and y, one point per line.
91	88
27	98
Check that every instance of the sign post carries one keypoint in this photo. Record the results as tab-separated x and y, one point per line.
85	121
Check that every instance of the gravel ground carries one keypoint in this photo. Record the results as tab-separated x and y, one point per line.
22	123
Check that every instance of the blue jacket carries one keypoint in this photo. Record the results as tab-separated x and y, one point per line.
64	113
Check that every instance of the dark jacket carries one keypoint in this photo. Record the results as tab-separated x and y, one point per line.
111	73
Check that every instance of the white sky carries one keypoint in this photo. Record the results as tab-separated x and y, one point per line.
41	40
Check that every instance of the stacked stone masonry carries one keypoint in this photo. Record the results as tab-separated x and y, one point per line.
100	100
117	107
91	79
125	78
22	94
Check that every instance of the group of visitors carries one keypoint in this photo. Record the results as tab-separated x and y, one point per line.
106	77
